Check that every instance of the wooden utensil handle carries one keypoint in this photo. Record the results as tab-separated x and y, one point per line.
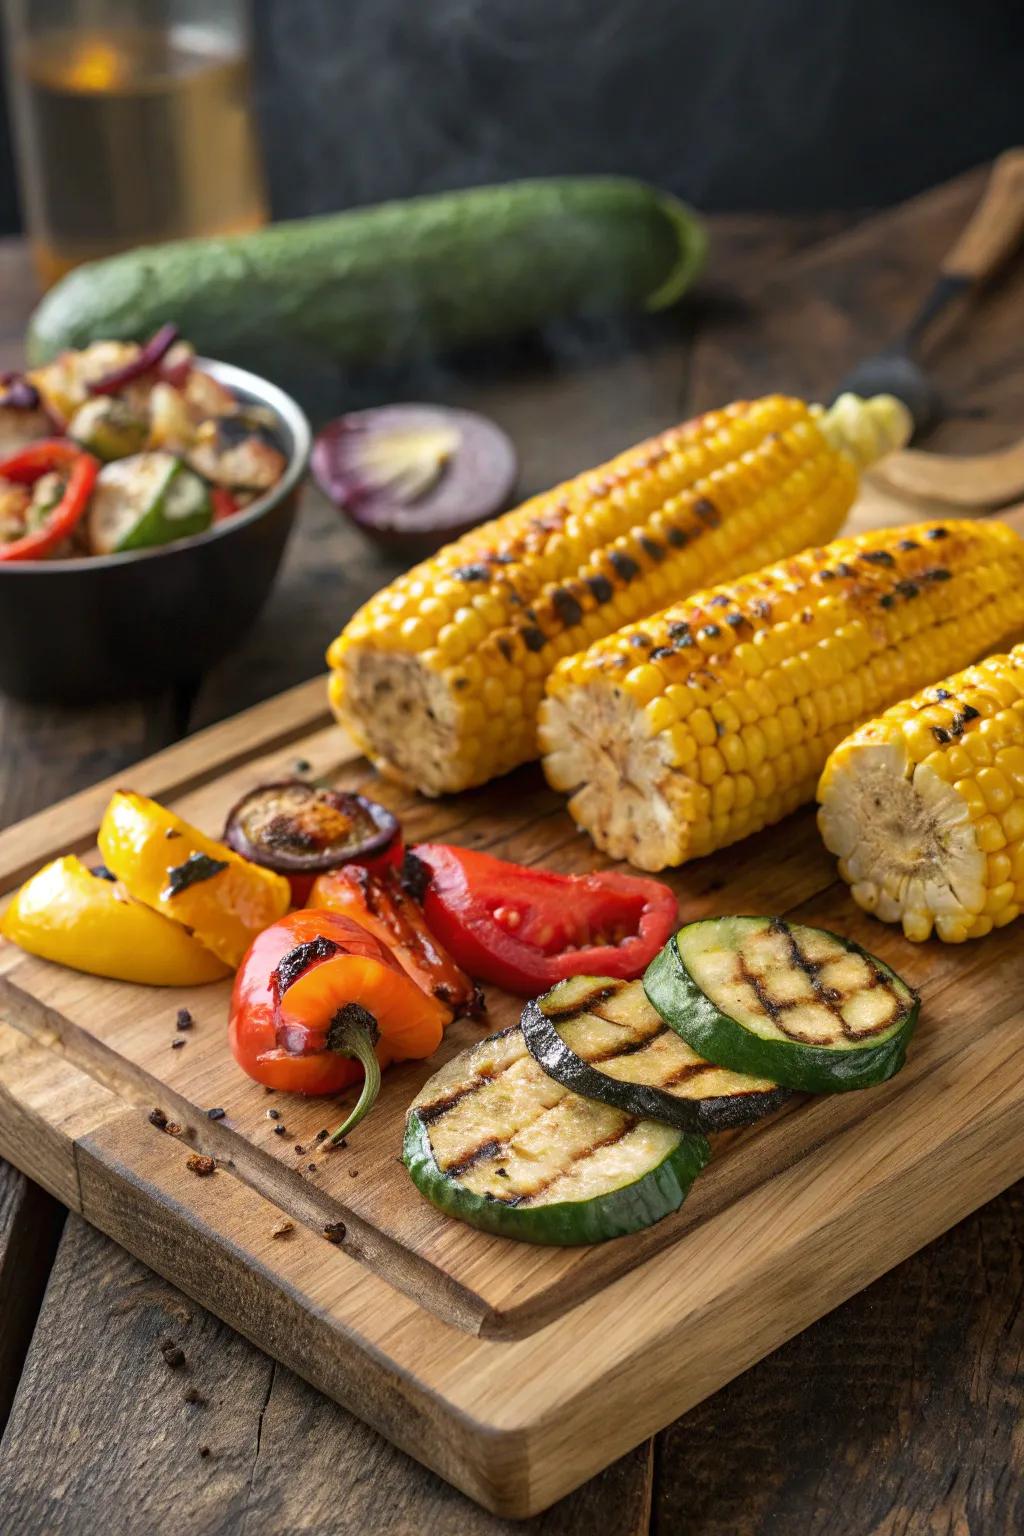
995	226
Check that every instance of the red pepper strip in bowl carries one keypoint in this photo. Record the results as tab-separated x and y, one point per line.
318	1002
31	464
525	929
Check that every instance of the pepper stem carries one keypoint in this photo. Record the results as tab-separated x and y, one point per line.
354	1033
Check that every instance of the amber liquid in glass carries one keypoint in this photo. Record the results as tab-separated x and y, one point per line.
138	136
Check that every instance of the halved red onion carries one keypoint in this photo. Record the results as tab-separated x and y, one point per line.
418	475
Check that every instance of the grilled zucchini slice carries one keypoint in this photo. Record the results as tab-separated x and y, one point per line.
603	1039
801	1005
493	1140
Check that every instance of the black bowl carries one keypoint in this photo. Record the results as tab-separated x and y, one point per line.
115	626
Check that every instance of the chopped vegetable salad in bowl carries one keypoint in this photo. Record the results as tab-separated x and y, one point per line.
121	447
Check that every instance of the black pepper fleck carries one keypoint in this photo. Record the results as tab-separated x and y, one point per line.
184	1019
178	1045
335	1231
280	1130
158	1118
273	1114
215	1114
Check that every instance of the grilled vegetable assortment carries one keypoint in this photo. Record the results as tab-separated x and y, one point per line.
604	1039
439	677
493	1140
714	719
178	451
759	994
925	805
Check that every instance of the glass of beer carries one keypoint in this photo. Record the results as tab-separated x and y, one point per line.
132	124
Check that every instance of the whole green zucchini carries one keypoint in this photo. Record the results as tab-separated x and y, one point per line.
385	283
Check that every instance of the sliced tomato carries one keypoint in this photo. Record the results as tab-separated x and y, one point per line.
524	929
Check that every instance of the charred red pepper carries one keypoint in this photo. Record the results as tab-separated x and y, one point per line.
380	903
525	929
319	1002
301	830
50	456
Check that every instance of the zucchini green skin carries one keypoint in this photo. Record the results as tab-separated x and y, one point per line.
805	1068
386	283
642	1100
571	1223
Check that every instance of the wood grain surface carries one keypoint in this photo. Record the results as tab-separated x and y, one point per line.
918	1435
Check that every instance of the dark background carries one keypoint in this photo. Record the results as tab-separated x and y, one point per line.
744	104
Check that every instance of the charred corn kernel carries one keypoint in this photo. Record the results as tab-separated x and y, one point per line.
828	612
706	501
947	846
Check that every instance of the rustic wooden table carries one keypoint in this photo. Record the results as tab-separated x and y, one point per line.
896	1414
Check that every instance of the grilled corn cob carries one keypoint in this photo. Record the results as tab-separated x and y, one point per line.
714	719
925	805
440	675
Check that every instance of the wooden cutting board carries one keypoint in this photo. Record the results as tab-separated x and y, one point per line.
515	1371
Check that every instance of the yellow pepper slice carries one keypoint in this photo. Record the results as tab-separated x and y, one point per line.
67	914
170	866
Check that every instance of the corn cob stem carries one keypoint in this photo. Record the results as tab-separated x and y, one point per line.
440	676
925	805
682	734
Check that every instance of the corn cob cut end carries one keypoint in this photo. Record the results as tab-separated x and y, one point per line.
924	806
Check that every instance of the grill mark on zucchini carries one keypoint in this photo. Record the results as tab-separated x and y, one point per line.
589	1003
829	997
430	1112
492	1148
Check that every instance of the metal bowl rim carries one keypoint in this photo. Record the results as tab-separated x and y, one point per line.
262	392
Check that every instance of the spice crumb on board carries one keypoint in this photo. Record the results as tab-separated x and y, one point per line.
194	1396
216	1114
201	1165
299	1150
335	1231
204	1451
280	1130
302	765
312	1167
273	1114
283	1229
177	1045
158	1118
353	1173
320	1136
184	1019
173	1354
173	1128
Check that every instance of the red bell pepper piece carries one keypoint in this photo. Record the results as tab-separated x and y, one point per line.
525	929
52	455
318	1002
225	504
